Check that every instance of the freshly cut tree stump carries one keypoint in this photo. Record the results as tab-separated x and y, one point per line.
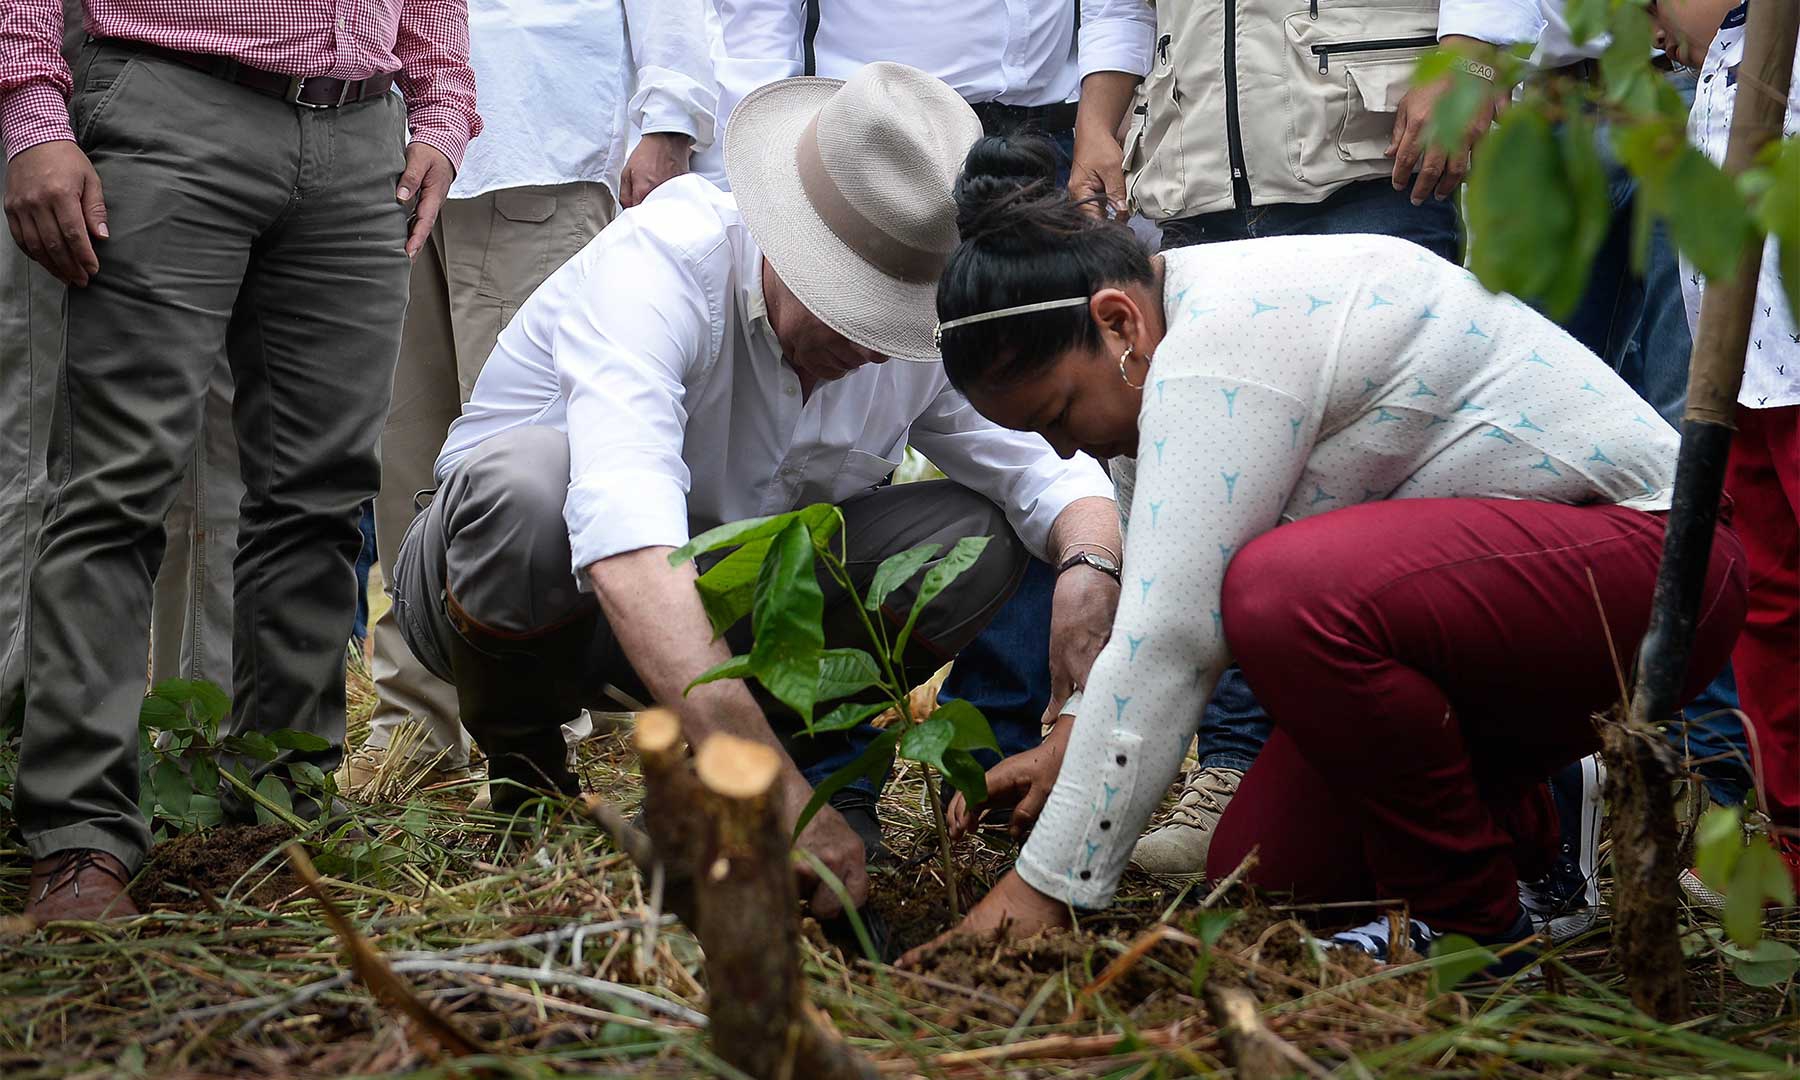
716	837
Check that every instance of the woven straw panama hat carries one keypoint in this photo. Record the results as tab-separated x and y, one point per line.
846	187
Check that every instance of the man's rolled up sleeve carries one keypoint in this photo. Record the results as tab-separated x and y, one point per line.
1497	22
622	360
1015	469
1116	35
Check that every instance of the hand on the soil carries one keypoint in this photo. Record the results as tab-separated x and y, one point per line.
829	837
1022	781
1011	909
1081	619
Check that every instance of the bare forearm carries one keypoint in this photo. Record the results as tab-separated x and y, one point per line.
1105	99
1086	524
655	612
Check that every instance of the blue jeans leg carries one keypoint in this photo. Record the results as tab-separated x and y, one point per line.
1005	671
364	561
1234	727
1713	737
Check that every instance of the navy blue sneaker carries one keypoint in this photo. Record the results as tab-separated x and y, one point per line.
1565	902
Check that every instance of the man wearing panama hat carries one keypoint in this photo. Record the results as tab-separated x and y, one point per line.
712	357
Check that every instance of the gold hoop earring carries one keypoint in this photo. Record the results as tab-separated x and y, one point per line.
1124	356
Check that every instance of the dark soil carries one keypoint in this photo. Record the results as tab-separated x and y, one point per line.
191	872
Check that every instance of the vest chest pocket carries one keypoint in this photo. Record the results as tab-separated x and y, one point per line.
1346	72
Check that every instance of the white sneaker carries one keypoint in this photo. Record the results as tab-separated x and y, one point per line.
1565	902
1178	848
1699	892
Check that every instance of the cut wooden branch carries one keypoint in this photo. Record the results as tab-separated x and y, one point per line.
1645	856
372	968
714	832
1255	1052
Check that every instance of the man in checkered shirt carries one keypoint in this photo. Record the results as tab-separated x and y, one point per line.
212	176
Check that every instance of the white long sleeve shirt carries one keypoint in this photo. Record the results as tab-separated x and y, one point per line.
1118	35
1300	375
1016	52
652	349
560	83
1772	359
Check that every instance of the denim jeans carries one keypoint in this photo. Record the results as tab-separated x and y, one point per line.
1234	727
365	560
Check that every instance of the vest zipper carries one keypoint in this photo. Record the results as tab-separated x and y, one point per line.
1240	180
1323	52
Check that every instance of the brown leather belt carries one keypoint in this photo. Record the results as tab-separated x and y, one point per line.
316	92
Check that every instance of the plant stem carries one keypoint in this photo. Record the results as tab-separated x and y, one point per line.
287	817
951	892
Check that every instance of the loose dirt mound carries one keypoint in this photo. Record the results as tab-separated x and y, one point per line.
974	981
191	872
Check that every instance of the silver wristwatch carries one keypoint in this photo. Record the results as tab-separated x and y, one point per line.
1099	562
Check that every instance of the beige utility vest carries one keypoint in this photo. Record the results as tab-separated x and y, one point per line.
1253	102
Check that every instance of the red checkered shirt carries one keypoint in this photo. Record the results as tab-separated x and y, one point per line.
426	41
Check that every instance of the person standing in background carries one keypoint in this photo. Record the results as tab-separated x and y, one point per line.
1348	156
235	183
562	82
1016	63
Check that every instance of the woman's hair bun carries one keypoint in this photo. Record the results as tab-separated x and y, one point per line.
1003	175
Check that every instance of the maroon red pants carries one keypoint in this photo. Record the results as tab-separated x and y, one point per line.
1763	480
1427	663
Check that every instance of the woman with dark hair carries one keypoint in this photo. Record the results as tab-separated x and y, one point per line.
1467	500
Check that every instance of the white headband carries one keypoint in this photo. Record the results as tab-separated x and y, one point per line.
937	336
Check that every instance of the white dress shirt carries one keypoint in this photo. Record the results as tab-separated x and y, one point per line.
560	83
1016	52
653	350
1117	35
1772	360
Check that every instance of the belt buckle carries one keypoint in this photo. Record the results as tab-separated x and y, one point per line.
297	86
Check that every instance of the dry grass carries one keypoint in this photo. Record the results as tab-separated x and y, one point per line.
542	943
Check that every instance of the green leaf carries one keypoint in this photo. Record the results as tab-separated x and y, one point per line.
939	578
1778	213
1625	68
307	776
253	744
1209	925
970	726
787	621
299	740
845	717
926	741
1707	218
873	762
271	788
206	811
174	792
1520	206
843	672
1760	876
1718	841
728	590
1454	958
823	520
738	667
965	774
1768	963
1587	19
161	714
203	702
1453	114
897	570
203	776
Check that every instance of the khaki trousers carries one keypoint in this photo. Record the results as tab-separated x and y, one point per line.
483	259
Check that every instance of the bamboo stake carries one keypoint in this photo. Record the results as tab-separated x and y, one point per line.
1647	862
